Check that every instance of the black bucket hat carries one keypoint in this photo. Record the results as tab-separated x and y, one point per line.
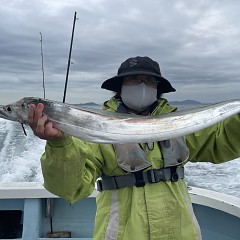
135	66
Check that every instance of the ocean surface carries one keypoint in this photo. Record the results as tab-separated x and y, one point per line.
20	154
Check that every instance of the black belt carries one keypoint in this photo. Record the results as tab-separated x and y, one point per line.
140	178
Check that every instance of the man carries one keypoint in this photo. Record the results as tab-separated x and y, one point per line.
142	191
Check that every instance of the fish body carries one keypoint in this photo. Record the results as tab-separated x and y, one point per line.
107	127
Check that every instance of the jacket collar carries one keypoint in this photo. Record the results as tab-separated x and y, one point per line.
161	108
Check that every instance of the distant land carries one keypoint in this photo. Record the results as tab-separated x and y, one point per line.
185	102
89	104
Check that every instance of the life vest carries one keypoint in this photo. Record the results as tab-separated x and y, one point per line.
132	158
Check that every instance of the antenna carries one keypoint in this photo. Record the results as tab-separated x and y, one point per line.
43	83
69	57
43	77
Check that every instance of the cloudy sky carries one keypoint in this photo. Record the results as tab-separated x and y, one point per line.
197	44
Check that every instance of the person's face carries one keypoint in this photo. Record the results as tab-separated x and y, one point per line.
148	80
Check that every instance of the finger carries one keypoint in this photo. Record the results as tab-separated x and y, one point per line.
50	130
38	113
52	133
31	115
40	128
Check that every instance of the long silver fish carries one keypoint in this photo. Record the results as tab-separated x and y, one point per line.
107	127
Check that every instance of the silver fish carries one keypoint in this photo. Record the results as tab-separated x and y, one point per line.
106	127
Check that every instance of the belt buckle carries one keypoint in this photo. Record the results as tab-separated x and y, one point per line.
156	176
151	176
99	185
174	174
139	179
174	177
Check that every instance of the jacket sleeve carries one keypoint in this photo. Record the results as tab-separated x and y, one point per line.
218	143
70	168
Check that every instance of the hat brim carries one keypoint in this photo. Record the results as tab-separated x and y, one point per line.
115	83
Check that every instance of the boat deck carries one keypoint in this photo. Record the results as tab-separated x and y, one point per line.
29	212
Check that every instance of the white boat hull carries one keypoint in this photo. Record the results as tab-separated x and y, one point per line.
31	206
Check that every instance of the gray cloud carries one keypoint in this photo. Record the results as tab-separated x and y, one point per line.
195	43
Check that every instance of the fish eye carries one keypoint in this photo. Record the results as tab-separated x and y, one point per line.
9	109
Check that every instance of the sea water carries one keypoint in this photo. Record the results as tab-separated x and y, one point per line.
20	162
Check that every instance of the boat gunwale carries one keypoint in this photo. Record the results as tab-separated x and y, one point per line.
221	201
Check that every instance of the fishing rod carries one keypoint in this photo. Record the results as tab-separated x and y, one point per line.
49	202
69	57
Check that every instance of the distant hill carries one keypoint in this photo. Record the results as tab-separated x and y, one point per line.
185	102
89	104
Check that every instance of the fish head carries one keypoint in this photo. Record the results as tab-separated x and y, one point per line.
17	111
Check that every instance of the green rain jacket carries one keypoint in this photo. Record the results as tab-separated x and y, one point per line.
157	211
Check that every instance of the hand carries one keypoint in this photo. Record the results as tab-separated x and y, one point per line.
40	125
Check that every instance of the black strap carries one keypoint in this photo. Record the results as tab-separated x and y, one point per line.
139	179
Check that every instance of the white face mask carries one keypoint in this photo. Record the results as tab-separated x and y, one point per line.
138	97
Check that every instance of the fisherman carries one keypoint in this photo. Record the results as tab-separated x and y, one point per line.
142	193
